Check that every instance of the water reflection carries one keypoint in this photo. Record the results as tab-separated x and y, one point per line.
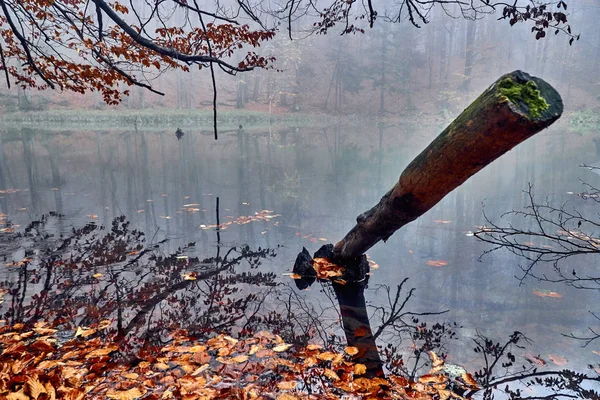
317	180
114	277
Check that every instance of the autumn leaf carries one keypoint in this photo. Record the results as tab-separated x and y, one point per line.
287	385
437	263
546	293
292	275
42	346
265	353
34	387
435	360
240	359
130	394
432	379
200	369
535	359
44	331
101	352
359	369
286	396
351	350
558	360
84	332
329	373
469	380
161	366
17	396
190	276
280	348
253	349
104	324
312	347
326	356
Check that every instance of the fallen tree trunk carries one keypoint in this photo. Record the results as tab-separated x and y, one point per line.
514	108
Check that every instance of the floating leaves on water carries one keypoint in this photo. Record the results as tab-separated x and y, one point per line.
558	360
190	276
92	216
437	263
311	238
98	275
263	215
546	293
292	275
373	264
535	359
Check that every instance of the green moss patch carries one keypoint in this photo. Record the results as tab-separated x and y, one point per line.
527	93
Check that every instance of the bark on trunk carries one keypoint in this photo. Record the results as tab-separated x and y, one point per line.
498	120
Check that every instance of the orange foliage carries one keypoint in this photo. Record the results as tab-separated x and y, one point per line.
72	45
34	364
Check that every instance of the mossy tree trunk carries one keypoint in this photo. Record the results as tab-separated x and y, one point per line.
513	109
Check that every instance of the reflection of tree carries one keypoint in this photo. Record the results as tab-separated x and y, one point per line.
96	274
552	235
398	324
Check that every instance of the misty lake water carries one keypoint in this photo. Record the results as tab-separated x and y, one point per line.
303	187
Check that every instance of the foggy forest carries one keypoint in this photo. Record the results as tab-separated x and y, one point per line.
300	199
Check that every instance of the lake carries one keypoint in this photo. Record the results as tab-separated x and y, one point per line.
281	188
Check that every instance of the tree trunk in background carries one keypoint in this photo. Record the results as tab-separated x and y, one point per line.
443	55
451	33
469	54
488	128
383	82
430	53
256	90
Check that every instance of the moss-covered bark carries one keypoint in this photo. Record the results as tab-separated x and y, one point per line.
514	108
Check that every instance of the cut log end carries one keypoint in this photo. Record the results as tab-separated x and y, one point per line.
529	96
